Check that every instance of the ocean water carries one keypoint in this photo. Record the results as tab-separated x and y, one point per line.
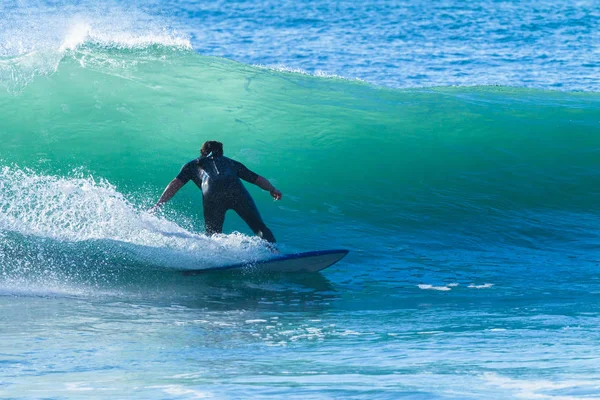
453	147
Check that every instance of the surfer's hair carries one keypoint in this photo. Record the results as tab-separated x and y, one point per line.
211	146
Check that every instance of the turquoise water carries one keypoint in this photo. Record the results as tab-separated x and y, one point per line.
470	210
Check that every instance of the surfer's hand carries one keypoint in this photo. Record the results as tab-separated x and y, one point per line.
276	194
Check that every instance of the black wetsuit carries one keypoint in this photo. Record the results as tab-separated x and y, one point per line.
219	179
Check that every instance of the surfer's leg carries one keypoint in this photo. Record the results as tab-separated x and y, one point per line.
247	210
214	217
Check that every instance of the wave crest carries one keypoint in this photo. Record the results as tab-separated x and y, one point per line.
36	41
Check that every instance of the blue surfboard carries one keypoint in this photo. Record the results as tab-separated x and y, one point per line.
311	261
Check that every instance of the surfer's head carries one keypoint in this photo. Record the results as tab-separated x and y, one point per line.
211	146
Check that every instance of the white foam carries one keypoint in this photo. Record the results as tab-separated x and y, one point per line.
43	31
80	208
541	389
34	43
179	390
431	287
84	31
11	288
78	387
484	286
294	70
77	35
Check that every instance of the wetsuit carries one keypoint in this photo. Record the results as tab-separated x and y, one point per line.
219	179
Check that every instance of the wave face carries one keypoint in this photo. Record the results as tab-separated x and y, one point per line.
490	160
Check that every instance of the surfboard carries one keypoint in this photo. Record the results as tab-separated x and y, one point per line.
312	261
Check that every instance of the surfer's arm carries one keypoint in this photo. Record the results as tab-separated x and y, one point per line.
264	184
172	188
184	176
256	179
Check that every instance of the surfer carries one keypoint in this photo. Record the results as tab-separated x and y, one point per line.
219	179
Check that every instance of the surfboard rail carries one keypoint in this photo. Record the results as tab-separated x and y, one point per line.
311	261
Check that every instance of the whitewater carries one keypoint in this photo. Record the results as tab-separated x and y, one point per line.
463	176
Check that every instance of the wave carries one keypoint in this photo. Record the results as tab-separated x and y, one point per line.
486	163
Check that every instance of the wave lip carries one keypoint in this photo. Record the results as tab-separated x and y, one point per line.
37	41
83	32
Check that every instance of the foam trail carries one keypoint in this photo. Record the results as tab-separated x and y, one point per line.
80	208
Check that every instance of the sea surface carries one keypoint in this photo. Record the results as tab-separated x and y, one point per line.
453	147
